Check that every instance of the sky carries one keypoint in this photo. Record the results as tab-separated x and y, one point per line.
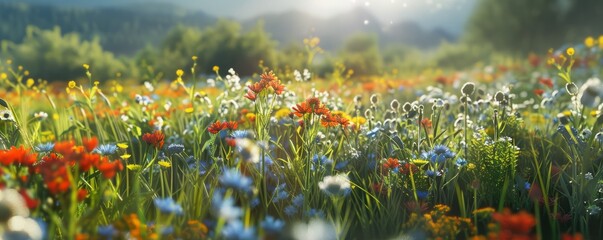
447	14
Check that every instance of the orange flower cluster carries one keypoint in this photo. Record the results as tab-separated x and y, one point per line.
155	139
314	106
515	226
55	165
218	126
268	81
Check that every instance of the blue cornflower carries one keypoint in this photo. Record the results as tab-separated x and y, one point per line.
242	134
315	213
167	230
254	202
106	149
234	179
236	231
422	194
168	205
290	210
107	232
527	186
44	147
373	133
272	225
430	173
280	193
298	200
461	162
439	154
175	148
201	166
341	165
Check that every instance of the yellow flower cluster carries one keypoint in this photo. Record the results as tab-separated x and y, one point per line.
438	225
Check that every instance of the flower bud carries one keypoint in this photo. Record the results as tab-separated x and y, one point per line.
468	88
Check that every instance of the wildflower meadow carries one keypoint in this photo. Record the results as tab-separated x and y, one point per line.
507	153
511	149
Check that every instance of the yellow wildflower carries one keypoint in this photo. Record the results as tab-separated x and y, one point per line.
550	61
125	156
216	68
567	113
179	73
282	113
3	76
86	66
194	58
189	110
26	73
358	121
164	164
122	145
570	51
30	82
537	118
134	167
419	162
72	84
589	42
600	42
471	166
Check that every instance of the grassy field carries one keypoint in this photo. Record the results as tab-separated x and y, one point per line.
509	151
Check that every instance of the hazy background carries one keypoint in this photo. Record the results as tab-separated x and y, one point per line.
143	39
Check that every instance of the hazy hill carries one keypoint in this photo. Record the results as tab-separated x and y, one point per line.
294	25
126	28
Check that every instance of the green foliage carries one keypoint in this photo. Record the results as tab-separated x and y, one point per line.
222	45
56	56
361	54
495	162
520	27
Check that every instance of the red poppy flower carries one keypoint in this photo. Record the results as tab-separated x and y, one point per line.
81	194
30	202
514	226
156	139
108	168
538	92
546	81
90	143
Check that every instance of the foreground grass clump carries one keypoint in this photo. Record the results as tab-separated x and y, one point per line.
480	155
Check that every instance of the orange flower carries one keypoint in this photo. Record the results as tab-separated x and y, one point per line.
391	163
268	81
216	127
156	139
514	226
301	109
232	125
426	123
329	121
